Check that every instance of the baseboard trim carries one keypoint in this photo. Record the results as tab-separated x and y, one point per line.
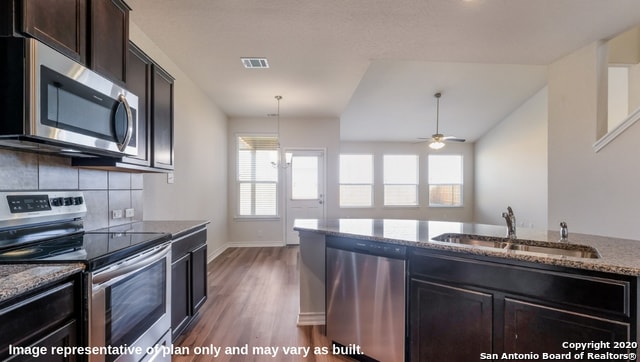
216	253
311	319
243	244
254	244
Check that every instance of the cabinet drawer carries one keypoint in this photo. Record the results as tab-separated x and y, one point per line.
583	290
187	243
30	319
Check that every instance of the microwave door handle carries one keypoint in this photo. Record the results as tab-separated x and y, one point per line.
131	266
127	137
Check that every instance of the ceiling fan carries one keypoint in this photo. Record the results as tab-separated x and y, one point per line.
437	140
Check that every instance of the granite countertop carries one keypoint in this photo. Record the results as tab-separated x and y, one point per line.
173	227
16	279
619	256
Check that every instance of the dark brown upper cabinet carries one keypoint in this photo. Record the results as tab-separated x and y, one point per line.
92	32
61	24
139	82
109	42
162	119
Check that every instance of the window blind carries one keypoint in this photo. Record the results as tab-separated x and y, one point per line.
257	176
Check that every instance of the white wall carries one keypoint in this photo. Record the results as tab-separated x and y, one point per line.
511	167
423	211
199	191
294	133
596	193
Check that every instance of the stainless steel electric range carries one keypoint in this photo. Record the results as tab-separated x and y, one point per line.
127	280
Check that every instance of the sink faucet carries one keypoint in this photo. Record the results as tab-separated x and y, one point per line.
511	222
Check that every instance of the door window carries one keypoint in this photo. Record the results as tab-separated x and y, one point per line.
304	178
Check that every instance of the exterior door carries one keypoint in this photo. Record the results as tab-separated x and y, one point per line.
305	189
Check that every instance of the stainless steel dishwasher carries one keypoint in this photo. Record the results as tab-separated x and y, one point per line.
365	297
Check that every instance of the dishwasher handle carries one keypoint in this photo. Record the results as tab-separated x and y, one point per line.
367	247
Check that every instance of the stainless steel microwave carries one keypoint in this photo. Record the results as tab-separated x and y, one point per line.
50	103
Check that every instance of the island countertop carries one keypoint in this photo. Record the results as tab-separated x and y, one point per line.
619	256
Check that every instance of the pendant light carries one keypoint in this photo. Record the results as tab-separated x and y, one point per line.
288	155
276	160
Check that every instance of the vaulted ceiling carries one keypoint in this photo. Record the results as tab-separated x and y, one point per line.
376	64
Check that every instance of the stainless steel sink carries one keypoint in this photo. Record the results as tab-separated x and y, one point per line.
528	246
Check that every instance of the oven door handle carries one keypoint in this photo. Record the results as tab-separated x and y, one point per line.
117	271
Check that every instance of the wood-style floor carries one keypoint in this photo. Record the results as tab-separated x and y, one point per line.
253	301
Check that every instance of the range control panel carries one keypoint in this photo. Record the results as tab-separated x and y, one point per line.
19	208
26	203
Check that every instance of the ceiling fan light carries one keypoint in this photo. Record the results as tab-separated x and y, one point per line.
436	145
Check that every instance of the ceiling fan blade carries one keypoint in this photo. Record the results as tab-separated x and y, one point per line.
453	139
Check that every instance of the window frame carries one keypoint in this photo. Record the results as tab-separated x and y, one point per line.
461	184
416	184
253	182
371	185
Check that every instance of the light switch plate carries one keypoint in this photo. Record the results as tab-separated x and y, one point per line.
129	212
170	178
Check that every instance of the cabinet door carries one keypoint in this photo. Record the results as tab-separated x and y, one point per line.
61	24
35	320
109	38
448	323
535	328
65	336
198	278
180	298
139	82
162	119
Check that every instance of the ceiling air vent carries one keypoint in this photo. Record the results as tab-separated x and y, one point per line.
255	62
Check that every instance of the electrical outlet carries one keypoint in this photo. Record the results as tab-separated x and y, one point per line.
116	214
170	178
129	212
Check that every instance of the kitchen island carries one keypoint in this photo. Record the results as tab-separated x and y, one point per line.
507	300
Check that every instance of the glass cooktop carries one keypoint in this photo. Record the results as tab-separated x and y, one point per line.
95	249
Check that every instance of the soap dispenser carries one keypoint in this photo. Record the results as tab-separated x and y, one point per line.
564	231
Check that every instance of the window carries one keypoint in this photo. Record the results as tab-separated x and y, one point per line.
356	180
257	177
400	180
445	180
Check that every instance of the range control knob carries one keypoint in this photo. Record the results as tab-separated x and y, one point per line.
57	201
78	200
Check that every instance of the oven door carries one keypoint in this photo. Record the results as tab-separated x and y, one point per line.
130	307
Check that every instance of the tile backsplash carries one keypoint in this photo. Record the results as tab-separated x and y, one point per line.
104	191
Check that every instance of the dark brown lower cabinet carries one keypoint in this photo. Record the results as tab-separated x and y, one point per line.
465	308
198	277
436	309
41	320
188	279
180	298
527	326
